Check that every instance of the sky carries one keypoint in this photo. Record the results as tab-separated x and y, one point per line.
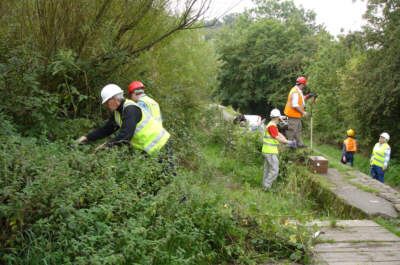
334	14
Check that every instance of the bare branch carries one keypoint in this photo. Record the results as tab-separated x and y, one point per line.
130	26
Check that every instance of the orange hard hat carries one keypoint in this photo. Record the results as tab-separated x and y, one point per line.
301	80
135	85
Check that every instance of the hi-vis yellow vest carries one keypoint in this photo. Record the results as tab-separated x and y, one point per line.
270	144
378	155
289	110
153	107
149	135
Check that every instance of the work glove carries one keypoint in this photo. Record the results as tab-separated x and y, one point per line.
82	139
292	144
310	95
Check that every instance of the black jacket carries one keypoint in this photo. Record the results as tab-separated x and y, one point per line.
130	116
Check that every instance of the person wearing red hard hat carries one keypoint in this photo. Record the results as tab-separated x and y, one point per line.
294	110
136	93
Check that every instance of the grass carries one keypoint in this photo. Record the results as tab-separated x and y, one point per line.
391	225
349	177
240	184
366	189
361	163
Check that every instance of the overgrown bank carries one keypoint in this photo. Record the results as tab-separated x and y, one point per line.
62	206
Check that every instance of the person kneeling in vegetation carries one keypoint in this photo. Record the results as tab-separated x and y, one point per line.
272	138
380	157
349	148
136	126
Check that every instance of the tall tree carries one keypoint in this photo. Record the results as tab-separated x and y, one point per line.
262	56
56	54
375	79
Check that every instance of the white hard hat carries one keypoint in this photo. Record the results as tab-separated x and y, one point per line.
275	113
385	135
109	91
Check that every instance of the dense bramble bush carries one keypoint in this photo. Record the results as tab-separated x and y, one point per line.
62	205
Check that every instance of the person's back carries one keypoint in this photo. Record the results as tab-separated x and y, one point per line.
136	93
349	148
151	106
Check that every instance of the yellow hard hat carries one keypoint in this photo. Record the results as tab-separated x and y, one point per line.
350	132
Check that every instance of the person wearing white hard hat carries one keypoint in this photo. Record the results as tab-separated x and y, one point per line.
272	138
136	127
380	157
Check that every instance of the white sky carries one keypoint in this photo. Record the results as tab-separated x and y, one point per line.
334	14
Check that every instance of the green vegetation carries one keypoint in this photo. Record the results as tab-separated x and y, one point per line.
349	177
265	49
367	189
60	204
262	55
361	162
391	225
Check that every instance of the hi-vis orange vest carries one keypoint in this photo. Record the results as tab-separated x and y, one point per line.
289	110
351	144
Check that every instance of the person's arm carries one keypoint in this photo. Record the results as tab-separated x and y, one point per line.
370	159
273	131
344	153
107	129
387	158
281	138
131	116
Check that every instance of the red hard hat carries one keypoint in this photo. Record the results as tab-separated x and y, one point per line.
301	80
135	85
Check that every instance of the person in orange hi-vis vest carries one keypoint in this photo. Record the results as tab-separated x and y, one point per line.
294	110
349	148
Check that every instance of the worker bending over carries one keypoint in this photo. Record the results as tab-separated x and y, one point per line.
380	157
349	148
272	138
136	93
136	126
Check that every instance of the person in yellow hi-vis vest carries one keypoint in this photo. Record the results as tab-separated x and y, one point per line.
136	127
136	93
380	157
272	138
349	148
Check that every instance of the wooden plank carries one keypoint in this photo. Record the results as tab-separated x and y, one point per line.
358	257
365	263
358	247
344	223
351	234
